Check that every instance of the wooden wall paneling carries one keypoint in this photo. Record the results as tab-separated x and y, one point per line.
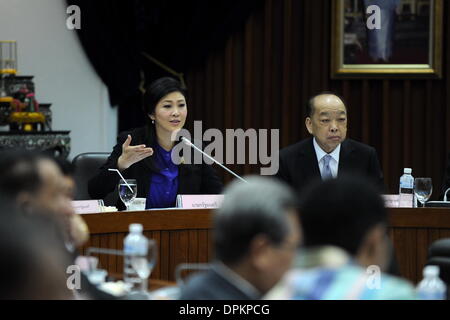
315	49
438	125
193	254
229	99
119	245
307	67
217	107
111	243
286	83
258	70
406	145
277	90
210	245
365	111
179	250
428	143
405	240
248	79
267	69
376	119
105	258
386	132
433	235
325	31
208	108
296	114
422	252
355	112
203	245
95	242
418	127
164	256
396	131
156	236
197	101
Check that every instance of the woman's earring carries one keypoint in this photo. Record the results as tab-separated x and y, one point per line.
153	121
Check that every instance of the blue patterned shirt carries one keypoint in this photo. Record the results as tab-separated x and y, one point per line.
328	273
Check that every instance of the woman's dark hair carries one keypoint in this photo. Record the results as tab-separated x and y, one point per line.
158	89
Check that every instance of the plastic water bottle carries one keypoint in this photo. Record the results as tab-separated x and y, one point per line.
135	244
406	189
431	287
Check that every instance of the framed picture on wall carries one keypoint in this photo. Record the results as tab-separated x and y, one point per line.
386	38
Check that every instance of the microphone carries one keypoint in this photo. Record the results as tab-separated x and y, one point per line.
187	142
445	194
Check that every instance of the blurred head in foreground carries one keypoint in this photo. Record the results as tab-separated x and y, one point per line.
256	230
348	213
256	235
36	184
33	263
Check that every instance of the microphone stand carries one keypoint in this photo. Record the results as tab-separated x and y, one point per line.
186	141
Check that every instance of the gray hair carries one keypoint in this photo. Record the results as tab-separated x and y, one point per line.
258	207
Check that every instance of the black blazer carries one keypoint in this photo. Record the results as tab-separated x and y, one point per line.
299	167
210	285
192	178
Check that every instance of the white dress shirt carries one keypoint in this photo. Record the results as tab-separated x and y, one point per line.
334	162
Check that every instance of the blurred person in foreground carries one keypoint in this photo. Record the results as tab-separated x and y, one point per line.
79	231
345	249
33	262
256	235
35	183
37	186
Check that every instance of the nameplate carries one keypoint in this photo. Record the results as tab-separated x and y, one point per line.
199	201
391	200
87	206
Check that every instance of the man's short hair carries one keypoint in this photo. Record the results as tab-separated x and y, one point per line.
340	212
19	172
310	107
258	207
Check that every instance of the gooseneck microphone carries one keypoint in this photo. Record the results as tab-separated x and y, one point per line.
187	142
445	194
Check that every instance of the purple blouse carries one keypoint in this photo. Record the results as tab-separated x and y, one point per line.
164	184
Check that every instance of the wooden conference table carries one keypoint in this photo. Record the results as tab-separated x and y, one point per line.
186	236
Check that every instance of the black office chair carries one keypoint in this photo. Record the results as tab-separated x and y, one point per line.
439	255
86	166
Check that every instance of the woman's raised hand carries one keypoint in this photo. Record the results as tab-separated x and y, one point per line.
132	154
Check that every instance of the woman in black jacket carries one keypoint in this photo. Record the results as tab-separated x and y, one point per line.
144	153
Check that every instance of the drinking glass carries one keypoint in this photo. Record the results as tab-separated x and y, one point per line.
144	264
126	194
423	187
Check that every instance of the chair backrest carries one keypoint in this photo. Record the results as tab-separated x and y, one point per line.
86	166
439	255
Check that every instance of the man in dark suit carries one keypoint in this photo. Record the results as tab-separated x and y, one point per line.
255	239
328	153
